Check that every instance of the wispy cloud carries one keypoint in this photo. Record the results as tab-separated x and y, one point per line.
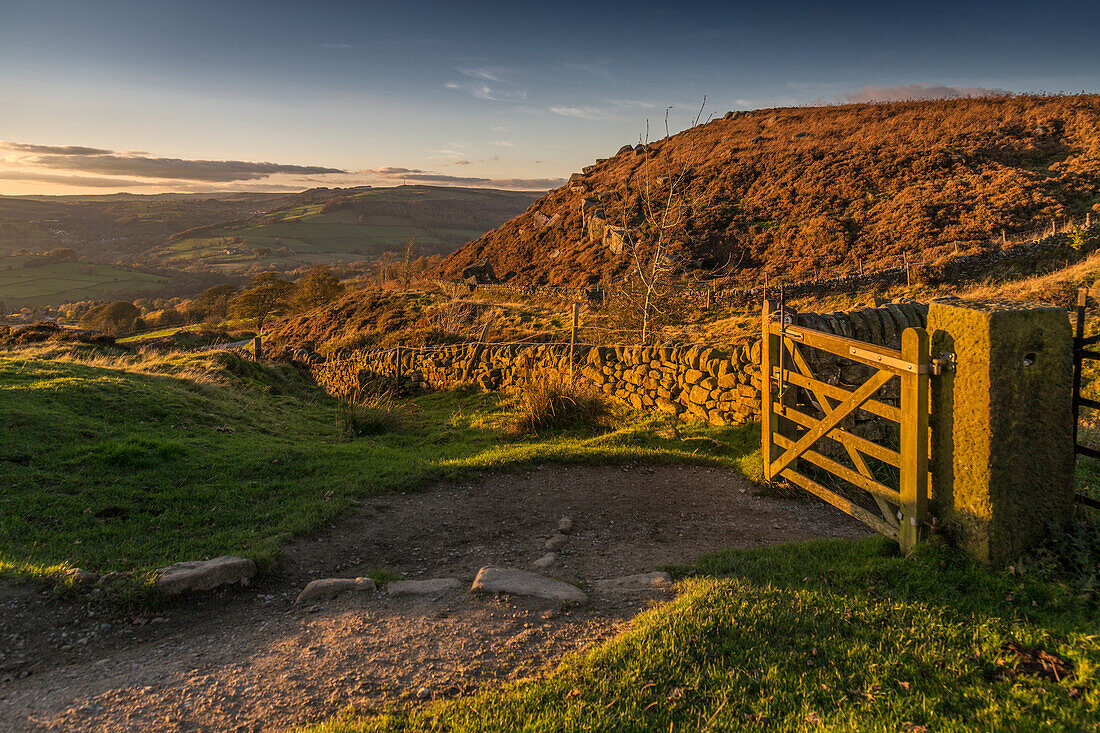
581	113
393	174
504	143
490	83
917	91
84	160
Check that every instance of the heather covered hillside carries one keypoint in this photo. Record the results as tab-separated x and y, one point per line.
795	191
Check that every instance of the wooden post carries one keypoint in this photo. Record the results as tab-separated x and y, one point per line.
573	334
257	348
908	279
1004	240
769	357
914	439
478	349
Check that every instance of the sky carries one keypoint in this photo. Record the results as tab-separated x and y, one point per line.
148	97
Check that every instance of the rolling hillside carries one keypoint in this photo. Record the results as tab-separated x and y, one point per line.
325	225
192	241
797	191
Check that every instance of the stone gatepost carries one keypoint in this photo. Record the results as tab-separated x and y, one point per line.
1002	424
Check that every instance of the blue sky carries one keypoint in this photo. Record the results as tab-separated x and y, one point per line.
191	96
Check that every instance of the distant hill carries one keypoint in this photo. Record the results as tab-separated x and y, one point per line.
797	191
324	225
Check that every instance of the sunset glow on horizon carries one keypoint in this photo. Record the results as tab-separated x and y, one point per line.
149	98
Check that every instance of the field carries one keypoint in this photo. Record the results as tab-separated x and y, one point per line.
47	282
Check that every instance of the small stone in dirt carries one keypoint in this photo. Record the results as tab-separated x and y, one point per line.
669	434
205	574
556	541
322	590
634	583
545	561
492	579
81	578
422	587
565	525
423	693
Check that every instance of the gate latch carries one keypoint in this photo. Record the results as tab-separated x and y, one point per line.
945	362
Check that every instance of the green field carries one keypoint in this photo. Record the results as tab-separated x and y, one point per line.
27	282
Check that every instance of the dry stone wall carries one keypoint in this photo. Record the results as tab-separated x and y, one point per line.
693	382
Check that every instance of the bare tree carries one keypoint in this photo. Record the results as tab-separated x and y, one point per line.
665	210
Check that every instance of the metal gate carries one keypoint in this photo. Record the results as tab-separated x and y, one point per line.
1080	355
790	435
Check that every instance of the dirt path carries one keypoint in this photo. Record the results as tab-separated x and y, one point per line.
251	660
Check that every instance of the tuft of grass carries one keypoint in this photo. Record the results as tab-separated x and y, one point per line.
549	400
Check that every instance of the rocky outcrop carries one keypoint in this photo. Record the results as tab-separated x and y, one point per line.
480	272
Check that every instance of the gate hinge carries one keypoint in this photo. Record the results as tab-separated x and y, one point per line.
945	362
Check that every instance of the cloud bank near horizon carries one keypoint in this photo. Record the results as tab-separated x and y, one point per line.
101	168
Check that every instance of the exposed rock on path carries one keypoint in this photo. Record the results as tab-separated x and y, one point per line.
203	575
322	590
522	583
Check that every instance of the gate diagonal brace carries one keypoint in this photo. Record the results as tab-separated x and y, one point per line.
826	406
831	420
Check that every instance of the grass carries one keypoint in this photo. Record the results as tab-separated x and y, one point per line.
552	401
125	463
825	635
47	282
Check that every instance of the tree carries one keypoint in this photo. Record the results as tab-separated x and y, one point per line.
406	268
665	210
114	318
63	254
266	296
317	287
213	303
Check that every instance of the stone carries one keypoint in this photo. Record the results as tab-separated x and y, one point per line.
423	694
565	525
556	542
634	583
545	561
481	272
422	587
81	578
200	575
1002	423
491	579
322	590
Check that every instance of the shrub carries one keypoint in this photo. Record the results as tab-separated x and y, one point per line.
551	400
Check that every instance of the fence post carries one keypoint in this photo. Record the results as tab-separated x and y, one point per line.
573	334
769	357
914	439
257	347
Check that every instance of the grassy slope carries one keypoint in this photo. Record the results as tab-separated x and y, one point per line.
109	465
828	635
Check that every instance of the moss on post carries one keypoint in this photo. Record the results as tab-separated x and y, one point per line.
1002	449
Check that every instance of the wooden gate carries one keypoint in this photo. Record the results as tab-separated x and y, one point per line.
790	434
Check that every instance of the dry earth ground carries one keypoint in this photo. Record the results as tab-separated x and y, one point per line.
251	660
